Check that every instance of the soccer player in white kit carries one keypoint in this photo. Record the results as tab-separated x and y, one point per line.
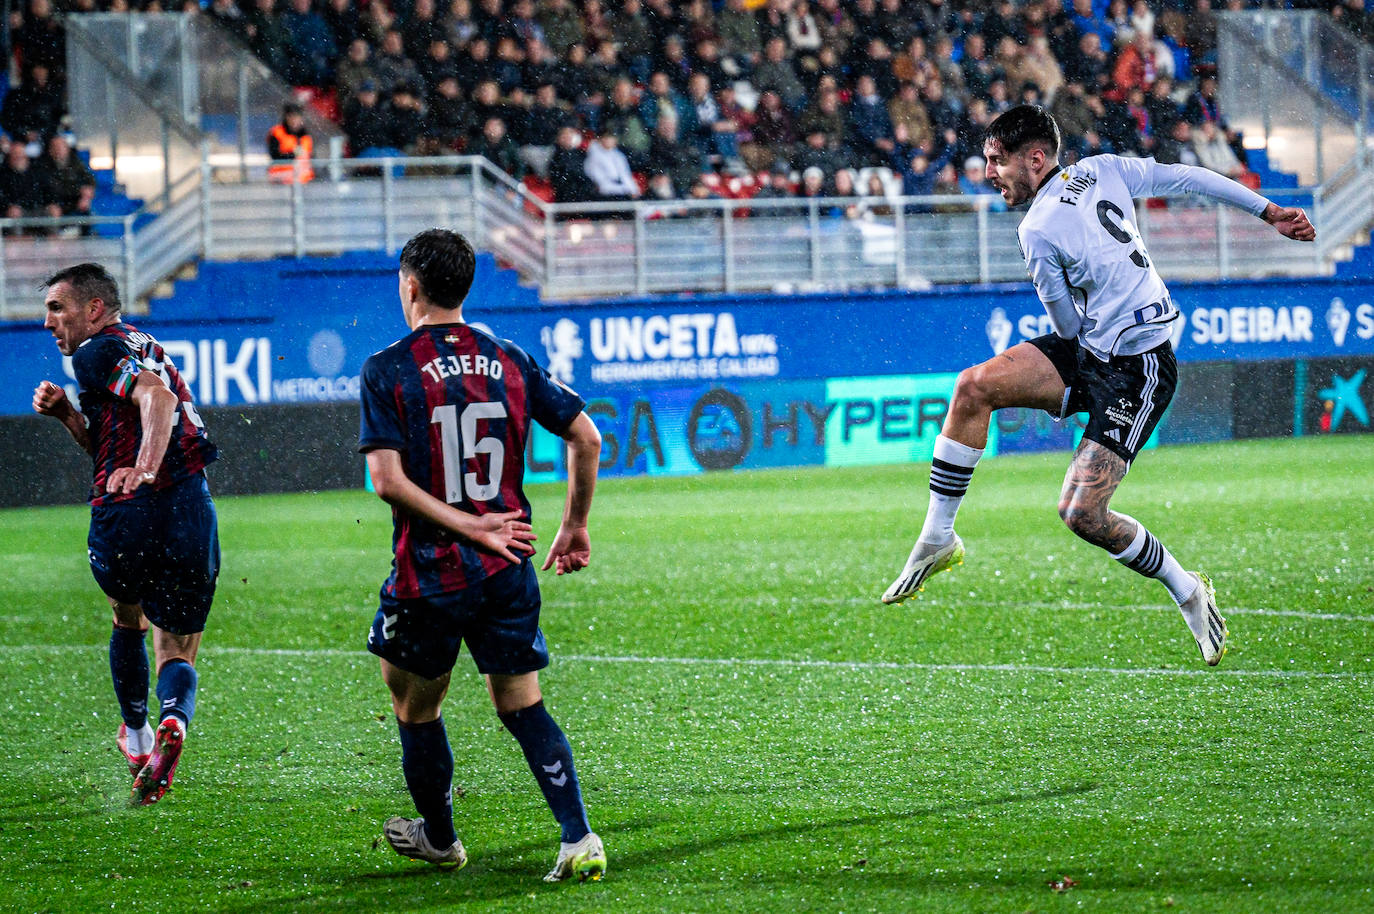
1109	355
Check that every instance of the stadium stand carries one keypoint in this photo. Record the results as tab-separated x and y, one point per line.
838	65
700	101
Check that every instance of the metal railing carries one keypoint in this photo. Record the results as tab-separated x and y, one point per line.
905	242
1299	84
156	88
729	245
1342	206
646	247
135	127
372	204
140	249
650	247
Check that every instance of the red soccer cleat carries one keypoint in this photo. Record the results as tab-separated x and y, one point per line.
153	780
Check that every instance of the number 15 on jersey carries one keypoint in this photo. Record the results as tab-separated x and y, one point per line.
458	441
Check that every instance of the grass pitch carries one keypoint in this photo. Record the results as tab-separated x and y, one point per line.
754	730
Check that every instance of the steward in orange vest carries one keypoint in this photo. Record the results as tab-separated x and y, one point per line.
290	146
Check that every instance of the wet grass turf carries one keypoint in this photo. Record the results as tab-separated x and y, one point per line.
754	731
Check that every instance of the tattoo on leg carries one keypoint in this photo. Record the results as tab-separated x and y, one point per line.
1088	488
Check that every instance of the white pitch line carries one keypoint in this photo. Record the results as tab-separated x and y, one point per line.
936	602
1226	610
775	662
960	667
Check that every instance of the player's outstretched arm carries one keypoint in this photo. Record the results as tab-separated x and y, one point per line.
157	409
1290	221
572	547
51	400
504	534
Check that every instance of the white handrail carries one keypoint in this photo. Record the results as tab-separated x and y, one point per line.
580	249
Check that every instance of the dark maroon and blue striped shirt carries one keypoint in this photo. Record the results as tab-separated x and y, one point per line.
457	404
106	367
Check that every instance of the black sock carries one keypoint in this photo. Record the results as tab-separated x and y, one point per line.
550	759
176	690
129	670
427	762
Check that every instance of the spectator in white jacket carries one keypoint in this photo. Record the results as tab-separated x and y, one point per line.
609	169
1214	153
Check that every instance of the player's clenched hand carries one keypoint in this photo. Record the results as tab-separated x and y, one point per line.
505	534
50	400
571	550
1291	222
125	480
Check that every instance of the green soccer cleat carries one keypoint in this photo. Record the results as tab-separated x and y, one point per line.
925	560
585	859
407	837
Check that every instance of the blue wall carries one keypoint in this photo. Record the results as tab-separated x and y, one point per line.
817	378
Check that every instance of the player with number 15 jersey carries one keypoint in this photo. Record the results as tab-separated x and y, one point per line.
457	404
446	414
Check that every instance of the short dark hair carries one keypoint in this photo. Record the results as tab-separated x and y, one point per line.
444	264
88	281
1022	125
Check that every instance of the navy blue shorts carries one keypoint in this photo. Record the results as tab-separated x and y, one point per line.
498	618
1124	398
160	551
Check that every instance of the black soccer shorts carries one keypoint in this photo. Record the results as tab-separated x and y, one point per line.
498	619
1124	398
160	550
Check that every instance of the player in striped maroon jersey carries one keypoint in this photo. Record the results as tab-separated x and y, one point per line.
154	540
446	414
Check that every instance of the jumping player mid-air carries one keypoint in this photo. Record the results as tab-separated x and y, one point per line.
446	414
154	538
1109	356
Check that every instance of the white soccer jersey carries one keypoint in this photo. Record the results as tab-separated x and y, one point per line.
1085	256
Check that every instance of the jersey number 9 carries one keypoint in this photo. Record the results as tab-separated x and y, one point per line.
1114	221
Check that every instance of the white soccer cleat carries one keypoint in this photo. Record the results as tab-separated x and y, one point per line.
585	859
1202	605
407	837
925	560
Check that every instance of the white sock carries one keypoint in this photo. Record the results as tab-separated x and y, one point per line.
141	742
1147	555
950	473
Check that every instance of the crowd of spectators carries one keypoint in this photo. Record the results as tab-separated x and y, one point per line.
41	174
618	99
612	99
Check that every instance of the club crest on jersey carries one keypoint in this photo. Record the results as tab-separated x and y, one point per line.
1122	412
